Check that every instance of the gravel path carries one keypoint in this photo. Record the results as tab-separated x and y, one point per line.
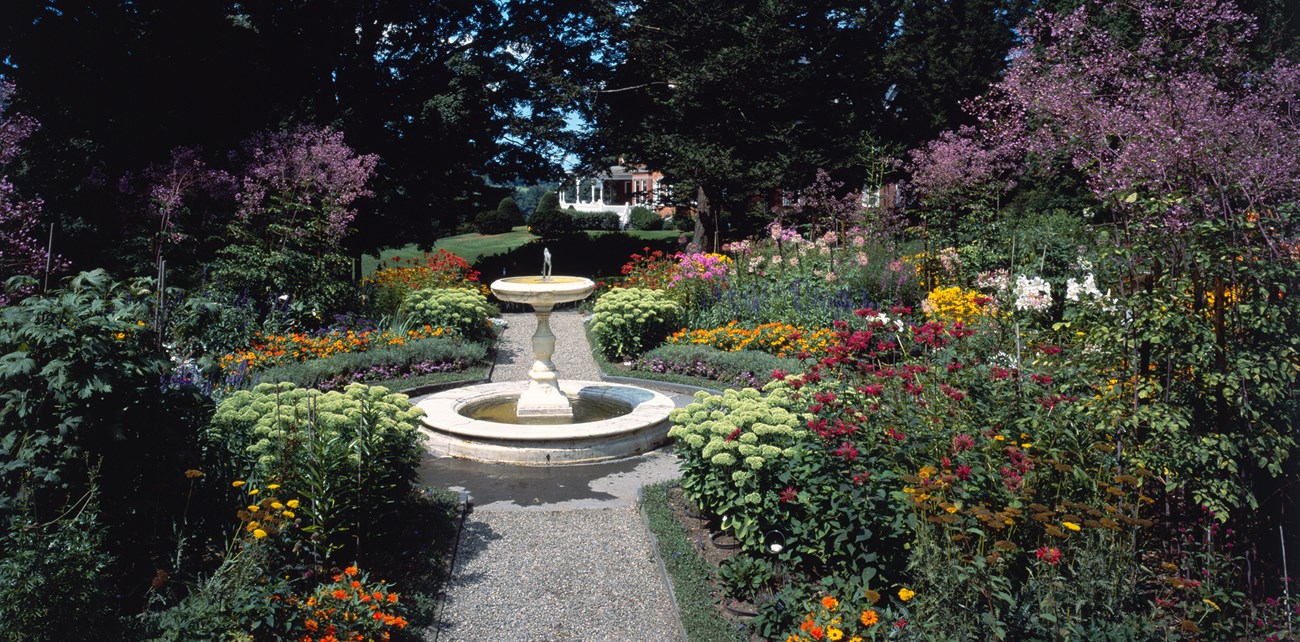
563	570
557	575
572	356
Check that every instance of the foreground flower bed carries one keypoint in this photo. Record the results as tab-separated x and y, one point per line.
927	470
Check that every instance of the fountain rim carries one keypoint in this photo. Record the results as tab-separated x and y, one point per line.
529	289
447	404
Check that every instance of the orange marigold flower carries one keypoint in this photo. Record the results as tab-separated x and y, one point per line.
830	603
340	594
869	617
351	570
356	584
311	625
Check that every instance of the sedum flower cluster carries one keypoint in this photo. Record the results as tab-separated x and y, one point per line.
730	445
629	321
463	309
270	422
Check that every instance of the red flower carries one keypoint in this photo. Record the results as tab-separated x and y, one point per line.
789	495
1050	555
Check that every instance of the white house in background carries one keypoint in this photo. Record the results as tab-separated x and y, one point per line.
622	188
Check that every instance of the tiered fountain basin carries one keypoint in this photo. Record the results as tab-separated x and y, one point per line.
451	428
544	420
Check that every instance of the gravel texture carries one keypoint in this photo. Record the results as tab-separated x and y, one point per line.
572	356
557	575
535	564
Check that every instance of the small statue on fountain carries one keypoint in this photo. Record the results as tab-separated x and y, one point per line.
546	264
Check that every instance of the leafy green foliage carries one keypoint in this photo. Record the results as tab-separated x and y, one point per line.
351	455
644	218
629	321
743	576
493	222
79	379
603	221
57	576
230	603
465	310
551	223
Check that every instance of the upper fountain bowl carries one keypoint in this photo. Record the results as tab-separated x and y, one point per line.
542	291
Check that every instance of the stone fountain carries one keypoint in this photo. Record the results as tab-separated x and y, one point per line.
545	420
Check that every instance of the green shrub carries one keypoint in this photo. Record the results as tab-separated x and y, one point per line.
464	310
745	368
644	218
56	577
493	222
683	223
425	356
350	455
79	381
730	449
508	210
629	321
550	224
602	221
550	202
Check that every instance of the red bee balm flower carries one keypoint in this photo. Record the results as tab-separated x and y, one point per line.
1050	555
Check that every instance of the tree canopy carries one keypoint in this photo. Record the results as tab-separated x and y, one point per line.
735	99
447	94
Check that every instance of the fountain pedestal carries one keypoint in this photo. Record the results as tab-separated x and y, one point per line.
542	397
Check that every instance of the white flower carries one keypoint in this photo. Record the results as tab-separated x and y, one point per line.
776	548
283	297
994	280
1033	293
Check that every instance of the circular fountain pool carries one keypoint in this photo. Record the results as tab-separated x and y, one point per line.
470	423
505	410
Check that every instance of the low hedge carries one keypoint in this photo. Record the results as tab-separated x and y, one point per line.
744	368
600	221
413	359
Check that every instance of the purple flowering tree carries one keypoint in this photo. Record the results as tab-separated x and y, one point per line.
297	188
295	196
1170	109
21	250
181	198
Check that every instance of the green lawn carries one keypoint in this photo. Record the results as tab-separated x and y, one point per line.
473	246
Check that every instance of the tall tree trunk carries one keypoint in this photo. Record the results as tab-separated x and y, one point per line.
705	219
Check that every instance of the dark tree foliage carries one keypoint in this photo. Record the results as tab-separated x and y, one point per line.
448	94
734	100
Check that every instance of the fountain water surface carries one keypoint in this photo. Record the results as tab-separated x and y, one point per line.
533	422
